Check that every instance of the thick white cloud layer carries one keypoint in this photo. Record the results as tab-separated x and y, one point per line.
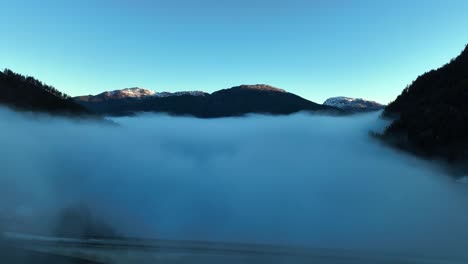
301	179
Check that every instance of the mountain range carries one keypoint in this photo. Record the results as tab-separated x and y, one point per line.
235	101
27	93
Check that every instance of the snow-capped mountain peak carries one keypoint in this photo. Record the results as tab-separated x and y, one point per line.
353	104
141	93
130	92
133	93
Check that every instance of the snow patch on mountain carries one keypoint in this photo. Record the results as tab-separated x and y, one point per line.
138	93
131	92
353	104
192	93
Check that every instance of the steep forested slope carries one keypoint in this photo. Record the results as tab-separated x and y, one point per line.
432	113
27	93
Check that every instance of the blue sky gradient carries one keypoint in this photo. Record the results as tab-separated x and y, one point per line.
316	49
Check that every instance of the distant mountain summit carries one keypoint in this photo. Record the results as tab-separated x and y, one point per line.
353	104
234	101
258	87
128	93
117	95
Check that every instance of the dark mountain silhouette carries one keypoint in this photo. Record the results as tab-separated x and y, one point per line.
26	93
431	114
235	101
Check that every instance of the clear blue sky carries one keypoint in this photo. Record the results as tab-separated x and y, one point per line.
316	49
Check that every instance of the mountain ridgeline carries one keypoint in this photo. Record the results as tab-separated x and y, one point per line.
26	93
431	114
235	101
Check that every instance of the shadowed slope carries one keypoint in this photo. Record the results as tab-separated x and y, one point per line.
432	113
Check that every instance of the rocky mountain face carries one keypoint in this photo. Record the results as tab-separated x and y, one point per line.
353	104
431	114
235	101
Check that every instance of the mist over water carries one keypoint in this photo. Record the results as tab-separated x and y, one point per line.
303	179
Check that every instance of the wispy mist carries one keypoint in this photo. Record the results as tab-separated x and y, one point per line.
302	179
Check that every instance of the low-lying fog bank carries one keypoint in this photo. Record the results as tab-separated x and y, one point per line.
301	179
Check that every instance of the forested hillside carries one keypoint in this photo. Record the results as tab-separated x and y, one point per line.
27	93
432	113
